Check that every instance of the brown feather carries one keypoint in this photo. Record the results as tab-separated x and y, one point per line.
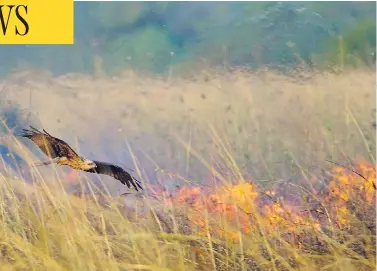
49	145
56	148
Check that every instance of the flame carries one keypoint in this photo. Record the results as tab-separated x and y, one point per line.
345	184
230	210
348	189
288	218
227	205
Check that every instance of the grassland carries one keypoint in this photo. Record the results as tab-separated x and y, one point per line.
214	134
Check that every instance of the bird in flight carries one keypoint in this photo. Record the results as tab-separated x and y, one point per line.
62	154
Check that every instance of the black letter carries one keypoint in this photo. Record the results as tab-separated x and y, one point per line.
3	25
23	21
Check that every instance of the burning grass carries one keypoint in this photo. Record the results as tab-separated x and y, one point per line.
240	226
258	193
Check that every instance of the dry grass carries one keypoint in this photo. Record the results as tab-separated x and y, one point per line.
214	129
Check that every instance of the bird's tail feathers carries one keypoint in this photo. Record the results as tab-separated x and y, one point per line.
46	132
35	129
29	133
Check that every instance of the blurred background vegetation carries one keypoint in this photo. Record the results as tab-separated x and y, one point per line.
162	37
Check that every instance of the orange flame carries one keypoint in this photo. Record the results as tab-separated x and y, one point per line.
231	209
348	188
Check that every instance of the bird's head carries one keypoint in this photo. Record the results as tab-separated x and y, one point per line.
88	164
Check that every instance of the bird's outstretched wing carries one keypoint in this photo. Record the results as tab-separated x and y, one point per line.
51	146
116	172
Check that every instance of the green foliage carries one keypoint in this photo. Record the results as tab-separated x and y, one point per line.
341	16
115	14
141	35
361	40
147	49
290	34
355	46
281	34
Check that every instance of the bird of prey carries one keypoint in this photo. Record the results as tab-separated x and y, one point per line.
62	154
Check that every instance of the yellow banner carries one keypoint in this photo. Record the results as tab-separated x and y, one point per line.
36	22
